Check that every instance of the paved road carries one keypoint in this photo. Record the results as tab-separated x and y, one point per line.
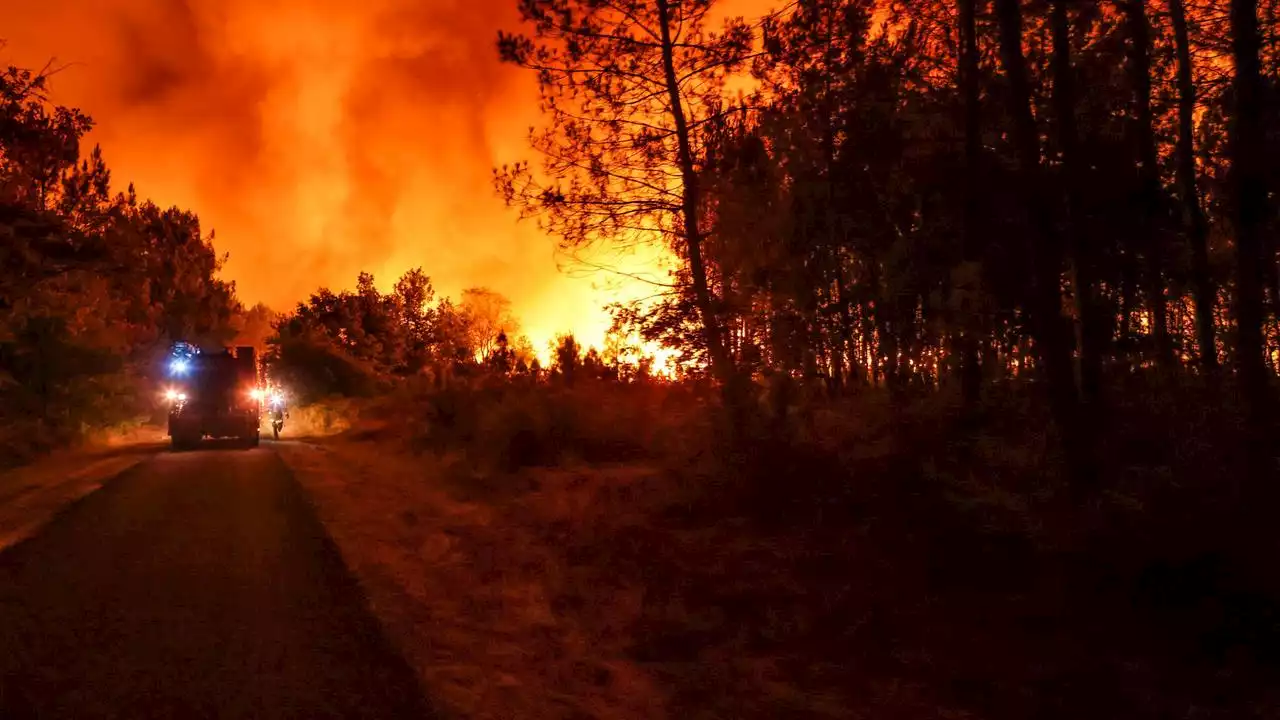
196	585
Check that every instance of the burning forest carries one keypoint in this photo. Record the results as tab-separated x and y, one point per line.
652	358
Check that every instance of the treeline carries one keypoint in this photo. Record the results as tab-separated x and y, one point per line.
93	285
361	342
925	195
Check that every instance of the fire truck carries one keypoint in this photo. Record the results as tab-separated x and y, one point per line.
213	394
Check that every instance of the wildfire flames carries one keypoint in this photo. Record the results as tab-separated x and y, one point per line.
319	138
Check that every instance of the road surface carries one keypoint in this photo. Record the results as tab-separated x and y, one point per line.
196	585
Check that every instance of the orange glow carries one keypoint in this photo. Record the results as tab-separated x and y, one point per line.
319	138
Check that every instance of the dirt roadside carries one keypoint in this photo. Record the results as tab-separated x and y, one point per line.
33	494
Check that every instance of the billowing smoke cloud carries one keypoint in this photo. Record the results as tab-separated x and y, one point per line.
317	137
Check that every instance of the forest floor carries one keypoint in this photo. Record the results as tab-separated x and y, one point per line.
631	589
556	595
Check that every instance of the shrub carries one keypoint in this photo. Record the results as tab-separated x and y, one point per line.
512	424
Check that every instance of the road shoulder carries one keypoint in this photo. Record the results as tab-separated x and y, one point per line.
470	594
32	495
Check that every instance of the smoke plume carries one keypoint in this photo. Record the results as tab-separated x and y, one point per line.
317	137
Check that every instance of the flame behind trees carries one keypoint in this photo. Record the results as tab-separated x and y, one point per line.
632	89
896	208
355	342
488	316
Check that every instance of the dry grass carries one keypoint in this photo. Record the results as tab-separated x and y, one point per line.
318	420
553	587
472	594
590	553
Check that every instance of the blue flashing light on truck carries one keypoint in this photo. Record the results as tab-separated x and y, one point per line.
216	395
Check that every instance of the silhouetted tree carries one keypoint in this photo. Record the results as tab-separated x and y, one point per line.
93	286
1152	224
413	298
566	358
1196	225
1247	148
968	304
631	89
488	317
500	358
254	326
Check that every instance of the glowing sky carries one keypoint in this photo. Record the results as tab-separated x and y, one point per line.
319	138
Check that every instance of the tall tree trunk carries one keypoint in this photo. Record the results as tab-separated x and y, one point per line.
1079	245
842	360
1246	138
1139	47
1193	212
1127	301
892	349
721	367
995	365
1053	337
870	341
970	370
847	351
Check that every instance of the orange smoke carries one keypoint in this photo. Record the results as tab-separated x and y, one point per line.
320	138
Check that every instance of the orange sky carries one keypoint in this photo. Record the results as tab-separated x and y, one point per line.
319	138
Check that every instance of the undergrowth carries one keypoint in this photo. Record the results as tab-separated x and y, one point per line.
877	556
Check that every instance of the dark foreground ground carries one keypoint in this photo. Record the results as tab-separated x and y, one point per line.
197	585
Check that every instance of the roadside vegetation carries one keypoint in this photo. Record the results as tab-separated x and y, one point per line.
590	539
596	549
971	406
95	284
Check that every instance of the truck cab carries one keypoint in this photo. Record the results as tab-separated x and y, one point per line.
217	395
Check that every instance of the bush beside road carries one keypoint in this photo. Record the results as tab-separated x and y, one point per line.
596	551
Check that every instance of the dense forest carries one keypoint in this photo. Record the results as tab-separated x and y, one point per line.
989	287
920	197
975	321
94	285
917	197
929	196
